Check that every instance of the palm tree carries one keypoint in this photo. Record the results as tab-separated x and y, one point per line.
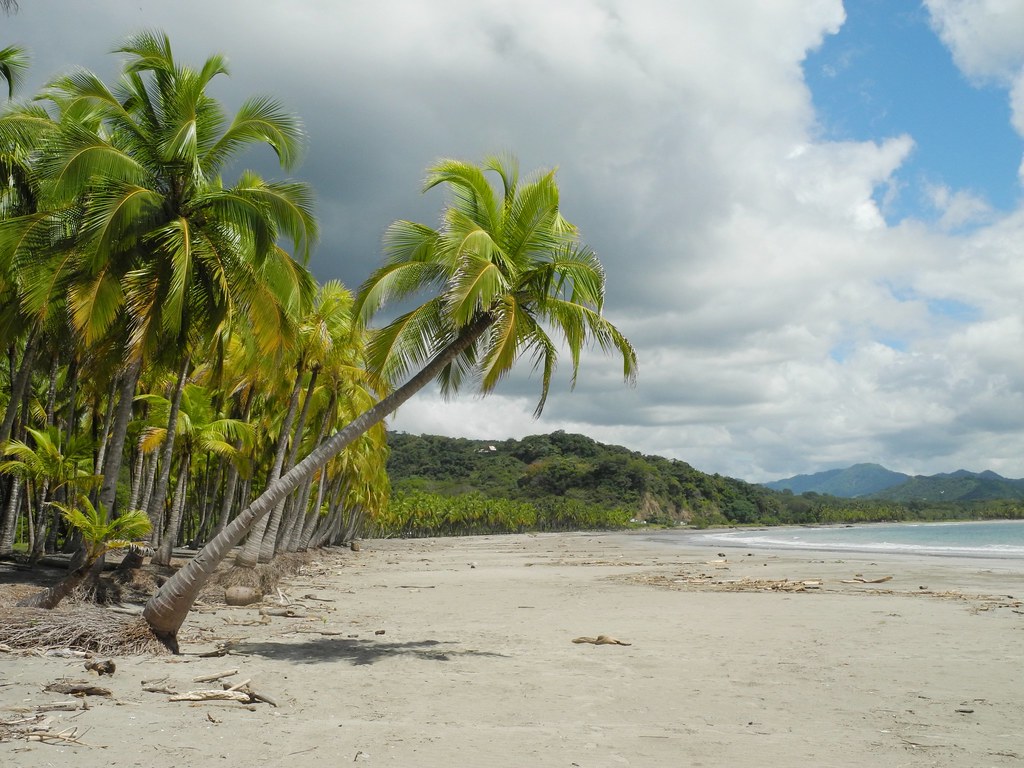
99	535
503	267
202	429
323	343
155	249
45	466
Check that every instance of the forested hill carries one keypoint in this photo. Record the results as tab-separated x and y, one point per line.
546	471
564	465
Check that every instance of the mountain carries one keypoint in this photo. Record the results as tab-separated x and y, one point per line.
852	482
873	481
955	486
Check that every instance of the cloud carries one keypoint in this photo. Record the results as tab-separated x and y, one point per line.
957	208
782	325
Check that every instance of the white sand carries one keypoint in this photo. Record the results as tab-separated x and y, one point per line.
476	666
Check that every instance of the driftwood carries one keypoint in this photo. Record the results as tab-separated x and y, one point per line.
54	706
217	676
600	640
862	580
289	613
76	688
243	687
37	728
158	689
213	694
241	692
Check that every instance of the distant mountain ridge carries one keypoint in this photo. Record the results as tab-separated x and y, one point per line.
850	483
876	482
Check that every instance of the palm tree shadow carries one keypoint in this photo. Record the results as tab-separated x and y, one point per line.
357	652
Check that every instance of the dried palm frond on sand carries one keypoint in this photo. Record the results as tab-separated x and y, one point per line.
265	576
80	627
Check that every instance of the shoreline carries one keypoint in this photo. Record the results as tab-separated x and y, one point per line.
458	651
731	537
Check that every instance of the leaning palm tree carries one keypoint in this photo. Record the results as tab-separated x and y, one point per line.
503	268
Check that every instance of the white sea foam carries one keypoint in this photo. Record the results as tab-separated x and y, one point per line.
990	539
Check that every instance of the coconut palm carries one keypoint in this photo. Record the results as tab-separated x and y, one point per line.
202	430
324	344
155	249
99	535
503	267
45	466
23	132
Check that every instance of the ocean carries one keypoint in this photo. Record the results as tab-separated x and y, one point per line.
985	539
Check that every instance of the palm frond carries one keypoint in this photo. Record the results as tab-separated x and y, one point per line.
14	62
259	120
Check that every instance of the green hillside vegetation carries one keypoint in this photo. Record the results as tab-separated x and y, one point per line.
955	486
563	481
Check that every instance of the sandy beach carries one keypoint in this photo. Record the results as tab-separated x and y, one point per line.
459	652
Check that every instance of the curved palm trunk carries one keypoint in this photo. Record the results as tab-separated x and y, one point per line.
52	596
166	610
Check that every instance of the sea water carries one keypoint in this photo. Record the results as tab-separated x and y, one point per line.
985	539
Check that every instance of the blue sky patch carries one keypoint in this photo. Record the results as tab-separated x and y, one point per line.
885	74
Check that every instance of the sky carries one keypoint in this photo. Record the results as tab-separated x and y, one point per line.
809	211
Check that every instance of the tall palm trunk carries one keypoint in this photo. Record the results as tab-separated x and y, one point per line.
118	434
101	439
51	391
229	498
269	544
170	537
140	462
166	610
233	474
10	525
293	539
18	386
250	554
155	509
71	421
